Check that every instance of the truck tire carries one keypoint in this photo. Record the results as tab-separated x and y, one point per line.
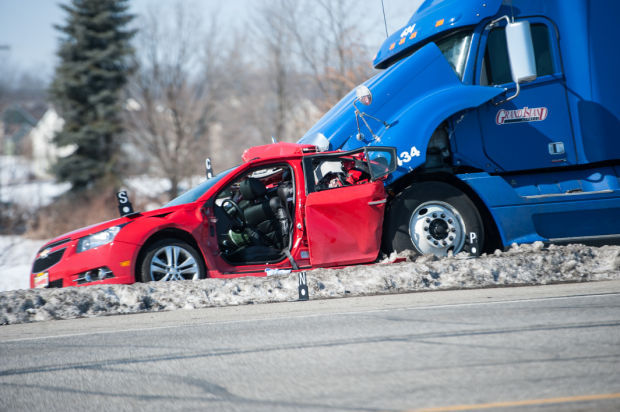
171	259
433	218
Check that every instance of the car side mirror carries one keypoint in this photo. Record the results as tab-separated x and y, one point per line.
381	161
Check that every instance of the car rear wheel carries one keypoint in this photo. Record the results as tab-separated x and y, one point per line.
171	259
433	218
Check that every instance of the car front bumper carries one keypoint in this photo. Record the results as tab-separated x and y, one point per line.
59	265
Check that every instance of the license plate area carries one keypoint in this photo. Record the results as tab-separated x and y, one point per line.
41	280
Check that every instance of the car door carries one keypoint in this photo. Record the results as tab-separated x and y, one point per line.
243	232
533	130
344	221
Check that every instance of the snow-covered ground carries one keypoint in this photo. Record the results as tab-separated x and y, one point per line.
34	195
16	256
520	265
17	184
14	170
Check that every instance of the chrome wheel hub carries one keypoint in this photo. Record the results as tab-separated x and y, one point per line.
436	227
173	263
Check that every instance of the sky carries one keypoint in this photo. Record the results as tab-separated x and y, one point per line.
26	26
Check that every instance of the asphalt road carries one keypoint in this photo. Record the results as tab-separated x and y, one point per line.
529	348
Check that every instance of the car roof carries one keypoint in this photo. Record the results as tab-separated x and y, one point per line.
277	150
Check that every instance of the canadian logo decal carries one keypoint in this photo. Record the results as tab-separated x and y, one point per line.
526	114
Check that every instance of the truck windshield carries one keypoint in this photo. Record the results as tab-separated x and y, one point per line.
455	48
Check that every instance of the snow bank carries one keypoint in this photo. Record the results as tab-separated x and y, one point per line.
521	265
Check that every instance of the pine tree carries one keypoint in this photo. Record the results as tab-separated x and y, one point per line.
94	65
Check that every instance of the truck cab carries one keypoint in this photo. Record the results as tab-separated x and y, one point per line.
505	116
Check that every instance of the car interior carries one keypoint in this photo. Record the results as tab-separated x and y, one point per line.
330	173
255	213
255	216
332	170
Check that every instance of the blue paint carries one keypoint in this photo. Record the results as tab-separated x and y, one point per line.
546	165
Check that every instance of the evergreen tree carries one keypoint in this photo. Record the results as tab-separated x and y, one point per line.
94	65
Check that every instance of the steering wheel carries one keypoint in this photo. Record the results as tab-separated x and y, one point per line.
238	217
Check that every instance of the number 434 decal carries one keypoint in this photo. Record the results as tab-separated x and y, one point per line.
406	157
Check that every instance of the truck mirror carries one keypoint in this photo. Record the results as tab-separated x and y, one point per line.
363	94
521	51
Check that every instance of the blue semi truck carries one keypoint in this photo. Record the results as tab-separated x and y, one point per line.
505	116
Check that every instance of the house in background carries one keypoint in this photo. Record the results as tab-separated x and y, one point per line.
44	150
16	122
27	133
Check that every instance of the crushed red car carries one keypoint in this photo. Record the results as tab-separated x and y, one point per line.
286	207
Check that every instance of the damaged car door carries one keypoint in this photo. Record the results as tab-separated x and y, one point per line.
345	204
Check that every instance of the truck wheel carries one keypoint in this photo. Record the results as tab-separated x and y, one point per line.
171	259
433	218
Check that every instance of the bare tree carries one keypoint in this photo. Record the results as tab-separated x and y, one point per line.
172	98
328	44
195	94
310	56
273	51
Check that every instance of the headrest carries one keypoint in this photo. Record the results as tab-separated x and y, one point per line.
285	191
252	188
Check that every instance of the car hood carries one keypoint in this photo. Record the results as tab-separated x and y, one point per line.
98	227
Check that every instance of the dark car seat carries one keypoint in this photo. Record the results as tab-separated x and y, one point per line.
252	188
257	210
269	216
262	225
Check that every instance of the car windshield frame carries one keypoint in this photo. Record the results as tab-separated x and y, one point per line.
196	192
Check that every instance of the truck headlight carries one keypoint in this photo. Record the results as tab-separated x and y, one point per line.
97	239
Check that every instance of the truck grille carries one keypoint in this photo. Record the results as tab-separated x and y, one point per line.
43	263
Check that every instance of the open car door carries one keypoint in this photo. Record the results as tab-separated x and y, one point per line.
345	204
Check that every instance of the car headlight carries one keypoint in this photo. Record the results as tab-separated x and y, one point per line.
97	239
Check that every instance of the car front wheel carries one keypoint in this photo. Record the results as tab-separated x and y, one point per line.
171	259
433	218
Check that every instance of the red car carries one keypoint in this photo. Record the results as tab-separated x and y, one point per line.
286	207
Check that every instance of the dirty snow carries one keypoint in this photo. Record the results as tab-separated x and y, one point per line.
520	265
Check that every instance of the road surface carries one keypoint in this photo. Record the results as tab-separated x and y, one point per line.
539	348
